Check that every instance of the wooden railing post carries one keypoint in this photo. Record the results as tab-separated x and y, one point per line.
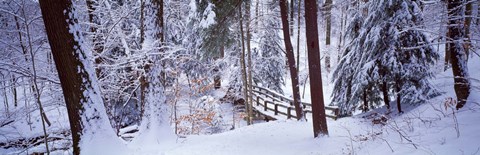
289	113
258	100
336	111
265	105
276	109
268	94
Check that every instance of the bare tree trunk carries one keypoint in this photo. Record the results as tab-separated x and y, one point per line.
97	45
160	33
447	57
399	100
249	57
291	61
341	41
468	21
158	4
5	96
458	53
298	35
142	21
365	101
257	15
14	90
85	108
314	68
37	99
447	61
35	89
478	13
292	8
24	49
217	81
244	67
386	99
328	16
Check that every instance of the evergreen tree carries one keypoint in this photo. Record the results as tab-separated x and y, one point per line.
269	59
388	52
217	34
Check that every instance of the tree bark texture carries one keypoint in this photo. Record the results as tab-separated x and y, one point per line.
468	21
328	31
159	20
291	59
457	51
244	67
399	98
298	35
314	68
249	59
292	8
84	105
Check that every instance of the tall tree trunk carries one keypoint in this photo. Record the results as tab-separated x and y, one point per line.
160	33
249	57
342	29
298	36
97	47
244	67
85	108
159	20
14	90
217	81
328	16
448	54
142	21
314	68
36	93
458	58
386	99
292	8
30	53
257	15
365	101
399	100
468	21
5	96
478	13
291	60
447	60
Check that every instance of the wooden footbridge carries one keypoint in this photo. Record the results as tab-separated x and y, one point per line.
274	105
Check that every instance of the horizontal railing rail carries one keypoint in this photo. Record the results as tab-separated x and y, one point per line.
272	101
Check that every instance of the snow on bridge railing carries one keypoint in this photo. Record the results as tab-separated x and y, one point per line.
278	108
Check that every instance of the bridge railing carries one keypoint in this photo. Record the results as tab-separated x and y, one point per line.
274	104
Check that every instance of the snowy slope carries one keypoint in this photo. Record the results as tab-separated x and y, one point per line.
430	128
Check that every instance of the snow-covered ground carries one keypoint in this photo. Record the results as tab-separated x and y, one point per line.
431	128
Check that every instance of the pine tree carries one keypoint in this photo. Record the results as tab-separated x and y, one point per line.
389	55
269	59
